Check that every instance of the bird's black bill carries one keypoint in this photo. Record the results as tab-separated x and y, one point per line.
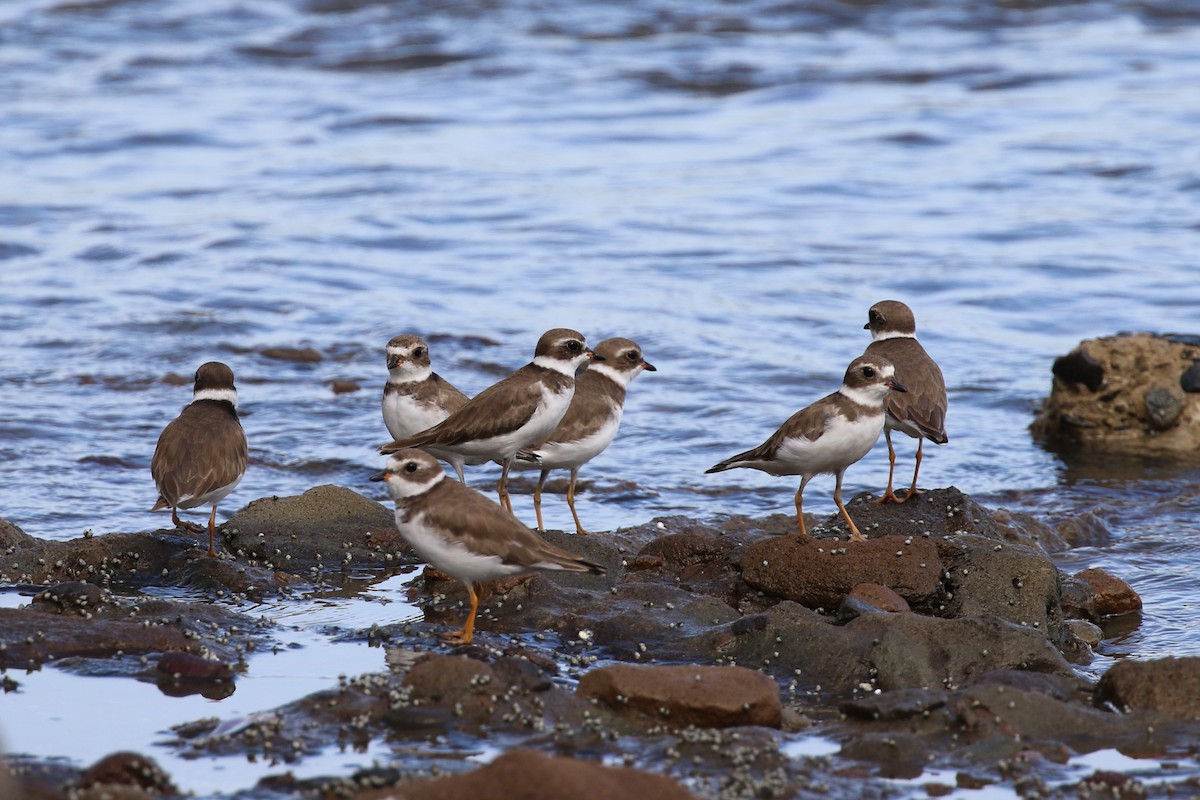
646	365
393	361
595	356
897	386
379	476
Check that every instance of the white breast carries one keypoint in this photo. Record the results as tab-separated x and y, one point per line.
566	455
842	444
545	419
405	417
450	555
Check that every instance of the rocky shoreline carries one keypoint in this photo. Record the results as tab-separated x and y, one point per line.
948	639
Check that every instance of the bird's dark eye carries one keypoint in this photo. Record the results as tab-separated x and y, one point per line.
410	466
574	346
868	372
419	352
633	355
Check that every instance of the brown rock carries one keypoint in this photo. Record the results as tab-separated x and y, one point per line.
1168	685
1123	392
305	355
345	386
1112	595
455	681
318	528
527	775
127	769
818	573
703	696
880	597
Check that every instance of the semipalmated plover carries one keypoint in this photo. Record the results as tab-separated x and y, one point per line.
415	397
591	421
829	435
201	454
510	415
463	533
921	412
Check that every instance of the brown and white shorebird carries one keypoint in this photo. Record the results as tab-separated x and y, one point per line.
464	534
415	397
521	409
591	421
829	435
201	455
920	412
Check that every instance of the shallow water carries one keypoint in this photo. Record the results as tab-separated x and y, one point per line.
729	184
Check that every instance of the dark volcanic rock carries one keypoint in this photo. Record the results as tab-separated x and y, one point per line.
1079	367
40	632
819	573
527	775
706	697
1163	406
327	527
1170	686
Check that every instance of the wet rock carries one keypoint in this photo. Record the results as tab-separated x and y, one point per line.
465	683
35	634
345	386
895	705
1190	380
1110	594
899	755
126	770
189	666
329	527
529	775
1163	406
304	355
818	573
1170	686
701	696
74	597
1134	406
162	558
1015	582
1089	633
1080	367
880	597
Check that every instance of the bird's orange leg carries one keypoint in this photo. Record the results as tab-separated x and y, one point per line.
212	532
183	524
889	496
800	505
571	502
537	498
912	491
855	536
502	488
467	633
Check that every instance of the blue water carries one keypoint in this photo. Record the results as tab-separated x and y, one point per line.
732	185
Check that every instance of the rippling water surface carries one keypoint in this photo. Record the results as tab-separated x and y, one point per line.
729	184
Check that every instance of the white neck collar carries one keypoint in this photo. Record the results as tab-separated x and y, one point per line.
228	395
879	336
407	374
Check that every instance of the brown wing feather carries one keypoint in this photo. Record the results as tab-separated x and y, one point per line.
201	450
498	409
924	404
486	528
809	422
